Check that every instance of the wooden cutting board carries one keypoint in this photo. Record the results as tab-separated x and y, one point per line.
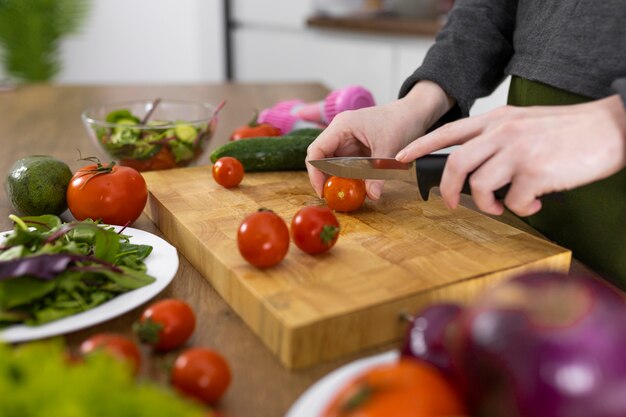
393	256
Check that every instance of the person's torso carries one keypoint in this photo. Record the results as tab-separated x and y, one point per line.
576	45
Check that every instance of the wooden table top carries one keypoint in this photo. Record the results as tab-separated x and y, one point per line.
45	119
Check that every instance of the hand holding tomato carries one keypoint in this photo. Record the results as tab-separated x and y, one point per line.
166	324
404	388
111	193
263	238
201	374
344	194
118	346
314	229
228	171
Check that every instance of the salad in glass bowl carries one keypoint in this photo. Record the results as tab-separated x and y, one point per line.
152	134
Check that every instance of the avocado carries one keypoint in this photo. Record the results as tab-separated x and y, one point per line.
37	185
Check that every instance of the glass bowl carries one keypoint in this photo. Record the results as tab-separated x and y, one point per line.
152	134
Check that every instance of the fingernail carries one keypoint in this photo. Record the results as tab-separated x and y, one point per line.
376	189
400	155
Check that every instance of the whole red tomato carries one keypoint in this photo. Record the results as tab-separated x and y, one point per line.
111	193
118	346
166	324
406	388
263	238
314	229
344	194
201	374
228	171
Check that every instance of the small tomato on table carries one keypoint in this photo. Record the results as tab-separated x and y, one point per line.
111	193
117	346
314	229
166	324
201	374
255	130
263	238
228	171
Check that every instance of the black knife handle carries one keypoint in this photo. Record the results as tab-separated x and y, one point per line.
429	170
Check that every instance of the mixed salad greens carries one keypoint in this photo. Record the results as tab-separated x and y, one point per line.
132	139
50	269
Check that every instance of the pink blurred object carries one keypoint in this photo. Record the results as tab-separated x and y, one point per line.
294	114
283	119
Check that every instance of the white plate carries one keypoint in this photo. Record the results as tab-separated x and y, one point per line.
314	400
162	264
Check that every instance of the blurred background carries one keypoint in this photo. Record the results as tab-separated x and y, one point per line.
373	43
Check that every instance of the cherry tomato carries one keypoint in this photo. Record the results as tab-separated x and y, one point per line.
314	229
404	388
112	193
263	238
228	171
254	130
344	194
201	374
164	159
166	324
118	346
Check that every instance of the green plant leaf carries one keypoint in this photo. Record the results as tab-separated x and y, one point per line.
31	32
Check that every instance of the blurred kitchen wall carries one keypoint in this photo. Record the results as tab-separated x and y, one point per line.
147	41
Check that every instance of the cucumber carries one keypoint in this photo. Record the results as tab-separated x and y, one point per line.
284	153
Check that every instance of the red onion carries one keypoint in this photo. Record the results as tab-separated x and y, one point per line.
426	333
543	345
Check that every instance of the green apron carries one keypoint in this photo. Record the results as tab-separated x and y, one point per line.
591	220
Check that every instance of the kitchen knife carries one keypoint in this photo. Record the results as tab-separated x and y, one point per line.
425	171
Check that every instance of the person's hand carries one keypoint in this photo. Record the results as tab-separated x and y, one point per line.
538	150
379	131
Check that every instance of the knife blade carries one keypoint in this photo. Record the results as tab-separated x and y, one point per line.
425	172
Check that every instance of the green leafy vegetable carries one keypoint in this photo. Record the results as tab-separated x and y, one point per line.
37	380
50	269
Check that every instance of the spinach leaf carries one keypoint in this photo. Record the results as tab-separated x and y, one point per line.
50	269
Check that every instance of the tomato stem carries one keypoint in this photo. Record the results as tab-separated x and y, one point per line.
328	234
362	394
253	122
148	331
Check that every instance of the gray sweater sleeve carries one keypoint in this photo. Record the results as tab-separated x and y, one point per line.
470	53
619	86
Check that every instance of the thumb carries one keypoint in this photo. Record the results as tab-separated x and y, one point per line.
374	188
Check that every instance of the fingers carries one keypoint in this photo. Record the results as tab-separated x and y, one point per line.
454	133
521	198
462	163
316	176
326	145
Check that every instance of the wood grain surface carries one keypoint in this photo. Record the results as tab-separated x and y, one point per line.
45	119
393	255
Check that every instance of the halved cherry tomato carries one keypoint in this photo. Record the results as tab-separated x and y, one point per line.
166	324
344	194
111	193
403	388
120	347
314	229
254	130
228	171
201	374
263	238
